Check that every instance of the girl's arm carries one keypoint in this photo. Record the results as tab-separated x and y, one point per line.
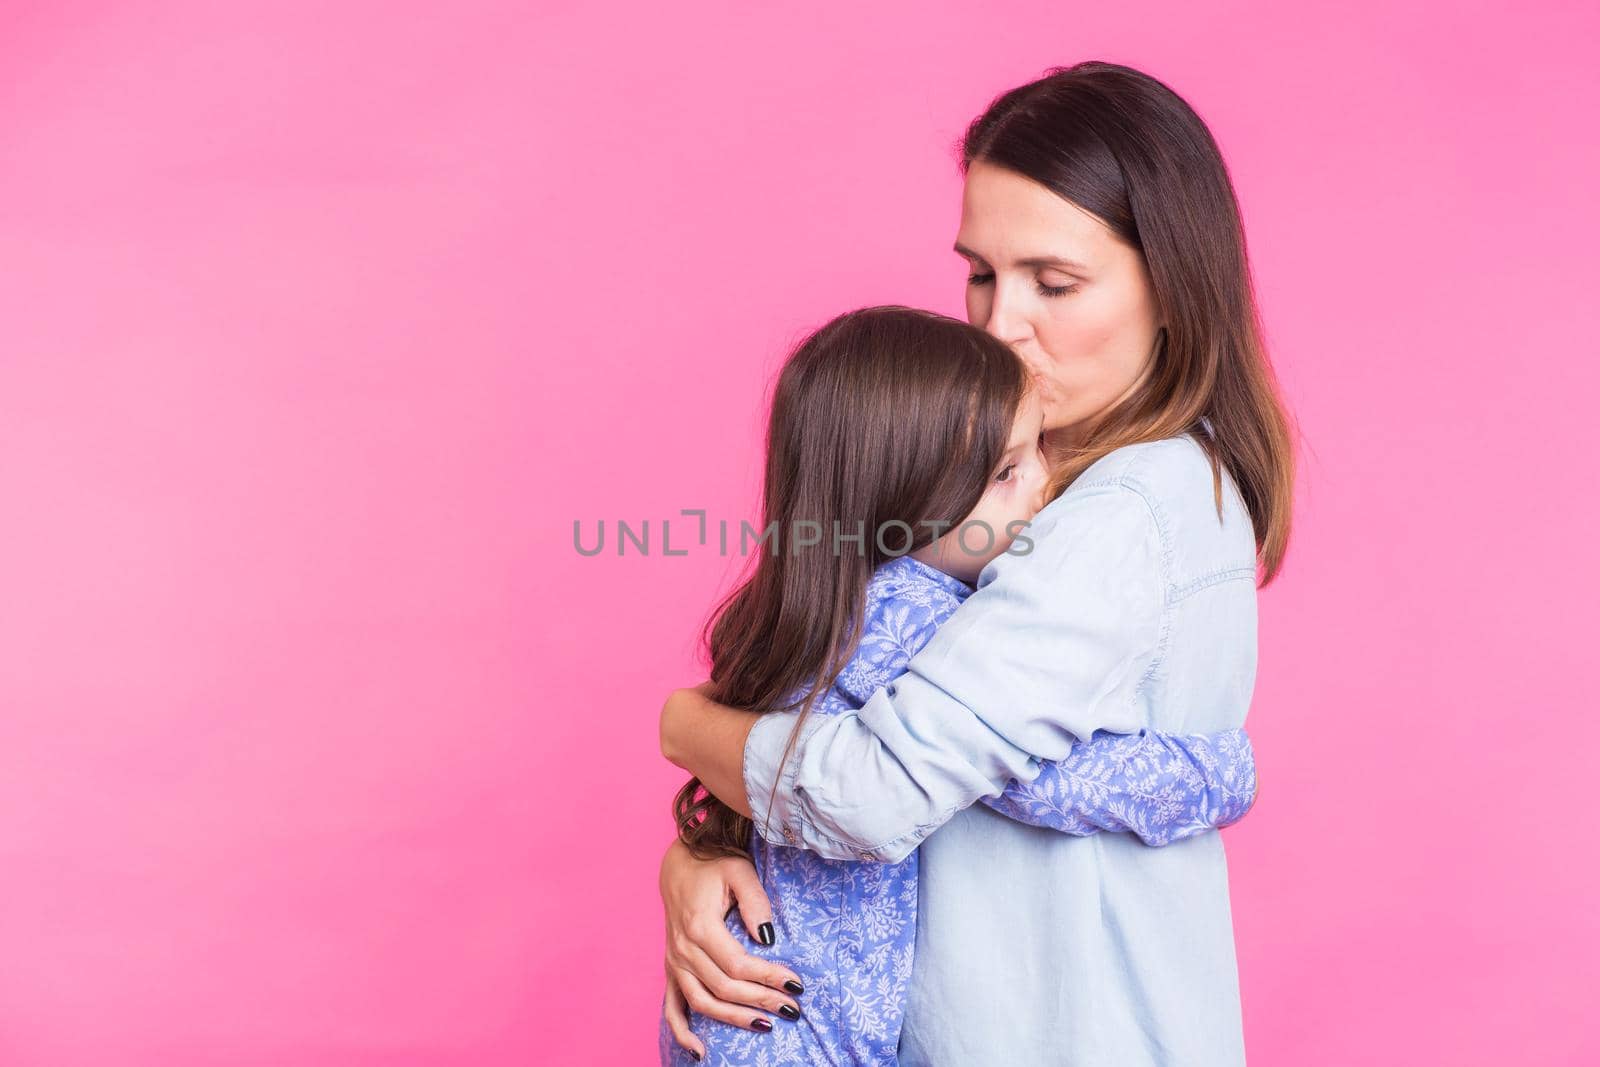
1162	787
1051	649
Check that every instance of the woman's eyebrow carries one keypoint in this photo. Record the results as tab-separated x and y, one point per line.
1053	261
1031	261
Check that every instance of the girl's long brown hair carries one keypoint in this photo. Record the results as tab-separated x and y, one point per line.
884	416
1124	147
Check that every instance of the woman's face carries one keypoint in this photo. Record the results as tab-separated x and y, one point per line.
1069	296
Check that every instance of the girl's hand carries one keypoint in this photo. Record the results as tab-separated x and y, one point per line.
707	969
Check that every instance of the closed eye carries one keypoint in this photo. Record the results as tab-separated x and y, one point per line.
1055	290
976	279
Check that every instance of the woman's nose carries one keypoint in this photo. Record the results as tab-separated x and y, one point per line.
1005	322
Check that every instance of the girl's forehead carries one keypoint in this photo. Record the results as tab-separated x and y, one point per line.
1030	415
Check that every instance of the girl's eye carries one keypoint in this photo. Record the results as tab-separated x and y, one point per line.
980	279
1005	475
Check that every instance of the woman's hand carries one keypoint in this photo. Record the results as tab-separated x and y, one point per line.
707	969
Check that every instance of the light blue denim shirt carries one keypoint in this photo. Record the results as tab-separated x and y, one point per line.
1135	609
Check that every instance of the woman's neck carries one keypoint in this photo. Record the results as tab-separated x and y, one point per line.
1064	438
1063	442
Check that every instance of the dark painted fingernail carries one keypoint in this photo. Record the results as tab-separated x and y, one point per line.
764	1025
794	987
766	935
695	1054
788	1011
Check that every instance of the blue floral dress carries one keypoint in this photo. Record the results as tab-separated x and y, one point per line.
848	928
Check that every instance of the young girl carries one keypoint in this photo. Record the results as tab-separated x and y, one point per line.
904	453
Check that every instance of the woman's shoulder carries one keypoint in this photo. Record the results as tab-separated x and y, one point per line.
1167	472
1155	466
1177	481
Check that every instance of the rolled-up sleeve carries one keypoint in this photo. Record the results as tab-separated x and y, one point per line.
1056	643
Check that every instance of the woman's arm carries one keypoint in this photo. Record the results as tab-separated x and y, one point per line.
1162	787
1053	646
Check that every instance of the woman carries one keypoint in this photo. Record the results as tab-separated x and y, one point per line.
942	432
1105	247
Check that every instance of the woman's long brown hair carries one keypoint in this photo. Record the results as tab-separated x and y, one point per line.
884	416
1124	147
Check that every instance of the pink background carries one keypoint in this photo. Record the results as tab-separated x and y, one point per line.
320	324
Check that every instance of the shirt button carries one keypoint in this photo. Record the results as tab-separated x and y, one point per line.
865	855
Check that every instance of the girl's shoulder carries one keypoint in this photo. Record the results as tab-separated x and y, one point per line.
910	580
907	602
